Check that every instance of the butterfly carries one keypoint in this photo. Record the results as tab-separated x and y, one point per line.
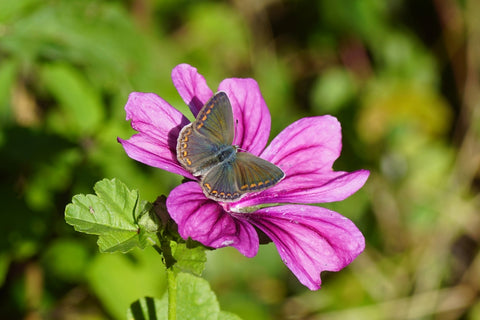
204	148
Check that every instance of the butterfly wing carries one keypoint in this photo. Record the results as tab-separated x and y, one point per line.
205	149
220	184
195	152
215	120
246	173
255	174
201	142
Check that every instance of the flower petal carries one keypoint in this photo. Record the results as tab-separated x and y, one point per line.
309	188
150	152
191	86
158	124
308	145
205	221
252	127
310	239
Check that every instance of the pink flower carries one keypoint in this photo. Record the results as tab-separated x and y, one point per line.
309	239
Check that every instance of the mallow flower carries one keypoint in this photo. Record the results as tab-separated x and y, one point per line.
309	239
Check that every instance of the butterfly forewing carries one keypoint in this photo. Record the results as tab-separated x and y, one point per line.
195	152
200	142
215	120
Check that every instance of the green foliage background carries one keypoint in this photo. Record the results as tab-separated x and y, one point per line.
402	76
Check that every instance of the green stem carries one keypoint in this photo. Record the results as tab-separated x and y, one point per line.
172	294
171	287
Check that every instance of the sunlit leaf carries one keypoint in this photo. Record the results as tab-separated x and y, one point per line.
195	299
188	259
111	214
194	302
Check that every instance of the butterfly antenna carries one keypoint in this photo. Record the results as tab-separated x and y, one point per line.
237	147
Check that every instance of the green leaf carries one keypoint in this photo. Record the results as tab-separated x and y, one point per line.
111	214
195	300
81	109
223	315
188	259
147	309
117	280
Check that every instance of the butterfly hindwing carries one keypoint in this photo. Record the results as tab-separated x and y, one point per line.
220	183
246	173
254	173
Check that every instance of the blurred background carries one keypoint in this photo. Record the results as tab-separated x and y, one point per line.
402	76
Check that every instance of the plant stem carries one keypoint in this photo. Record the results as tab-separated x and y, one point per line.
171	287
172	294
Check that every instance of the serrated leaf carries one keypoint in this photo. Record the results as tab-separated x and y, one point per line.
110	214
188	259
